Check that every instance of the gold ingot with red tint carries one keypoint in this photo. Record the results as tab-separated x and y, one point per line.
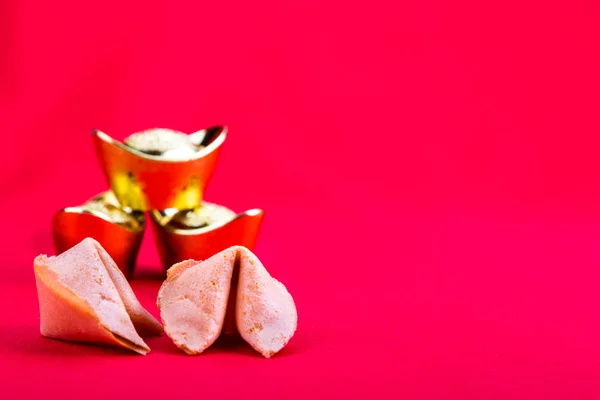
118	230
201	233
156	174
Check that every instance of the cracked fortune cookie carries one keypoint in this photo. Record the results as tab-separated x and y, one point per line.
199	299
84	297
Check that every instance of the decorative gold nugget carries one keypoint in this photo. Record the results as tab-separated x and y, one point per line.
167	143
165	172
118	230
107	207
206	215
178	239
168	172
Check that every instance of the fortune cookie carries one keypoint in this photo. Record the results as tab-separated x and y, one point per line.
84	297
199	300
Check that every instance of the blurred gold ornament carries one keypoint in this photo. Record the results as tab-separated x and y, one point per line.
160	168
165	173
117	229
202	233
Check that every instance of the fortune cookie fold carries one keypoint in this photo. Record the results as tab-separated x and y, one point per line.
84	297
198	299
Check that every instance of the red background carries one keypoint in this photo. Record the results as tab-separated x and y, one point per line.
429	172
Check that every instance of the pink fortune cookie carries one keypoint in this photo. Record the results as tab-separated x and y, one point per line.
84	297
199	300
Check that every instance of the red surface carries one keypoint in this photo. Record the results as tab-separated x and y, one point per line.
429	170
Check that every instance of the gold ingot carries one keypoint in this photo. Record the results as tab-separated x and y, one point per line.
154	174
180	236
118	230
